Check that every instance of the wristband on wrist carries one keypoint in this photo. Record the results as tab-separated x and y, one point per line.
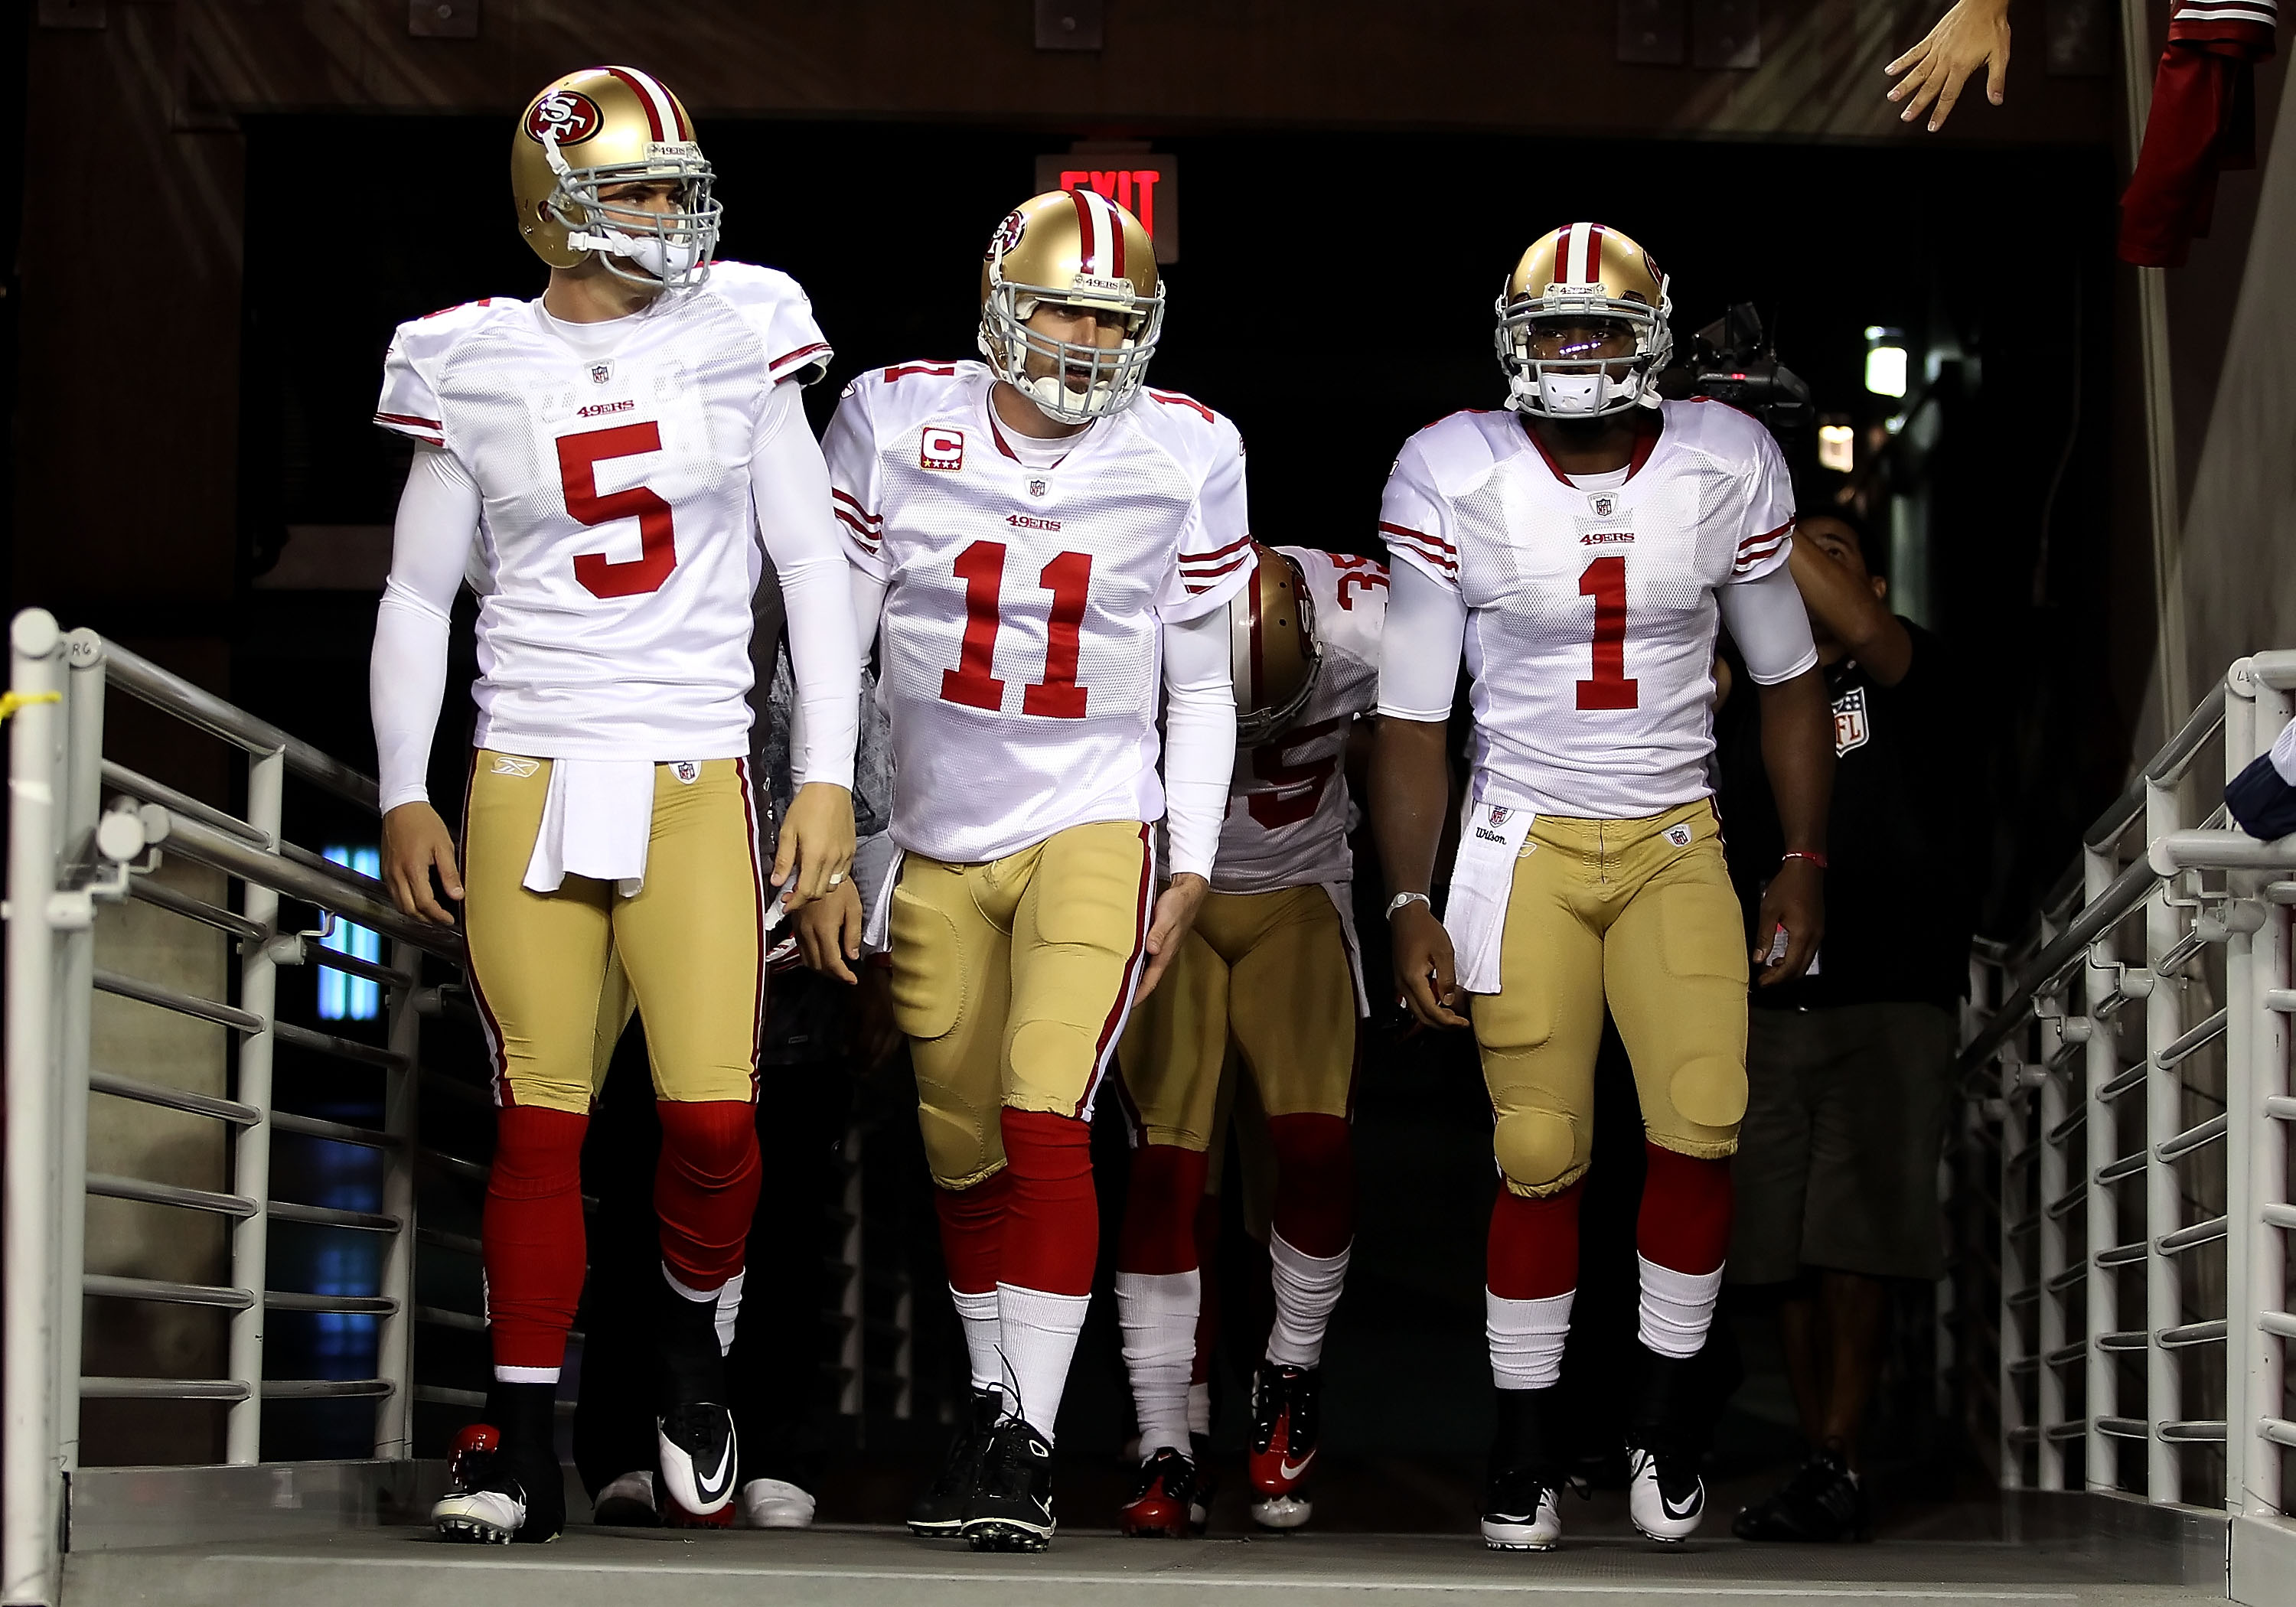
1816	859
1395	904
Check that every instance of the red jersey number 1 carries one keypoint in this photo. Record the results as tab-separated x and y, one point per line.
972	683
1605	581
578	456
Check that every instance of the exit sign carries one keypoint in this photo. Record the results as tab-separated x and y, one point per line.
1145	185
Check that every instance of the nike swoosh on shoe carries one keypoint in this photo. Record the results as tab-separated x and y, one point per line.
1287	1470
719	1482
1684	1509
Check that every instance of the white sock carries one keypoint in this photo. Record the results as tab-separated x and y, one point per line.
1200	1410
1158	1313
1307	1288
978	1313
726	1300
1036	1334
1678	1309
1526	1338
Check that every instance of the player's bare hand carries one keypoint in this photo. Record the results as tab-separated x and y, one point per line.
1175	914
1426	969
1795	902
829	931
815	852
1973	34
416	842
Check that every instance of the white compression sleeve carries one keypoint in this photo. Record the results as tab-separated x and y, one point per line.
791	484
1420	644
407	677
1766	620
1199	738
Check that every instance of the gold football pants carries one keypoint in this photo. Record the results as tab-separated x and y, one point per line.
557	974
1011	979
1270	971
1640	913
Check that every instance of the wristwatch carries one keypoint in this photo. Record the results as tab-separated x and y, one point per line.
1400	899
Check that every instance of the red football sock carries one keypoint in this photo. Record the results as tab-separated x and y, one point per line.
705	1189
1051	1222
532	1238
1534	1244
973	1231
1159	1235
1315	1183
1684	1223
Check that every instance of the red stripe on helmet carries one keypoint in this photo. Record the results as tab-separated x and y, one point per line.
1089	246
631	81
1116	240
1594	252
1561	256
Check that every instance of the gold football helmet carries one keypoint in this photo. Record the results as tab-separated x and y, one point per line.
1584	275
1080	249
1272	651
607	125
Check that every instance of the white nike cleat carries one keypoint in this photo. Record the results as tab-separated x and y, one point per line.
1666	1498
775	1503
699	1458
490	1517
1507	1527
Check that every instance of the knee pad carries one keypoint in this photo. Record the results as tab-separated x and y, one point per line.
958	1150
1710	1091
1534	1148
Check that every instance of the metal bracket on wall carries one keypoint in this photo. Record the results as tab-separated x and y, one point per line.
443	19
1068	24
72	13
1652	32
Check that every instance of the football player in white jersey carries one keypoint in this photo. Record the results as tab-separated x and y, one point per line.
1044	549
1575	548
615	446
1273	966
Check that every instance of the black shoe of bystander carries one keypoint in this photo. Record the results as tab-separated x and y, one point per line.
1822	1501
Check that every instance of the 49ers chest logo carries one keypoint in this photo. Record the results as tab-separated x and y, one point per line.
940	448
567	116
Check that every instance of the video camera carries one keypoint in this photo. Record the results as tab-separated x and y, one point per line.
1730	362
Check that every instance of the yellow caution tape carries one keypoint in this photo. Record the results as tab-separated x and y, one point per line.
10	702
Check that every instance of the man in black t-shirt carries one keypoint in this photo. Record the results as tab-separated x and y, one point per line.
1850	1069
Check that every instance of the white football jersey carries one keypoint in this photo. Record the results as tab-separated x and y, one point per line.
1021	655
618	535
1287	805
1591	612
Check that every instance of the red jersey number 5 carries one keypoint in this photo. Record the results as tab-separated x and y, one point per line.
578	456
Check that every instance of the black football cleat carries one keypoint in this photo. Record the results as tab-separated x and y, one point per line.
1167	1498
1012	1505
505	1485
1522	1490
693	1430
938	1513
1666	1498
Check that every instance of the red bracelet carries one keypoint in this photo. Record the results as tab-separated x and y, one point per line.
1816	859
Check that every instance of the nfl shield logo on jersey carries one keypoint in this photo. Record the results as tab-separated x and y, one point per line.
1036	487
1678	833
939	448
686	771
1851	729
1603	504
601	372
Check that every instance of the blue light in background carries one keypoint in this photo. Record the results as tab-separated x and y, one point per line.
343	997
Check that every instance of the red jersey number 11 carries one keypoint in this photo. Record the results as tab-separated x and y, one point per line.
1605	581
972	683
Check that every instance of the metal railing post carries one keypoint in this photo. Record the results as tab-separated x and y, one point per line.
2101	1065
83	798
2049	1318
2163	1118
30	1543
251	1169
2013	1273
394	1414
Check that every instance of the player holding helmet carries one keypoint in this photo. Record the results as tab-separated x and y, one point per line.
1042	547
614	448
1575	548
1272	965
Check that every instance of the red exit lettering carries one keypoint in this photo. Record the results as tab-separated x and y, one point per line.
1121	185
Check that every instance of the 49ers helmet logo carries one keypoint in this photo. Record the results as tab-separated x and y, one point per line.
1008	234
568	116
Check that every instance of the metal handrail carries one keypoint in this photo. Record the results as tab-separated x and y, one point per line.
170	694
